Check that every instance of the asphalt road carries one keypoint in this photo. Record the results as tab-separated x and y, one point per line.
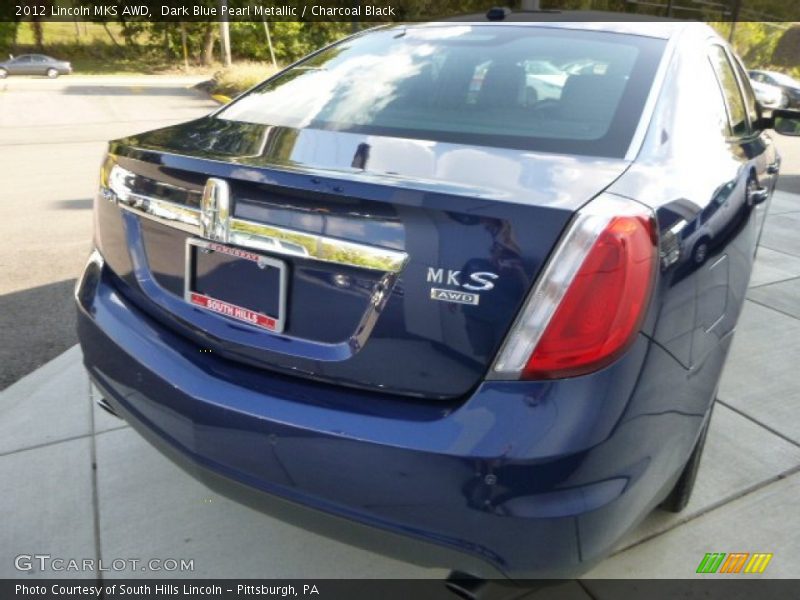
52	138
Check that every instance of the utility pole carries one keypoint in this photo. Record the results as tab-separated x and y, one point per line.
737	5
354	22
225	35
185	48
269	43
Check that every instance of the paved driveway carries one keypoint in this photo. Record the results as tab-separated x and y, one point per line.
82	484
52	138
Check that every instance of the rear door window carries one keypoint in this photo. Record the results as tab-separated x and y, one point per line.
737	113
750	102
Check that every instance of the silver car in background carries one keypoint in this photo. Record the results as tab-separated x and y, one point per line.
769	96
34	64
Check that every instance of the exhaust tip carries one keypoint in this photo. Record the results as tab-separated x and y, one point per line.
104	404
468	587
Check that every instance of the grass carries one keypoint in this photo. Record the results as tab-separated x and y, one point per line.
126	65
241	76
69	33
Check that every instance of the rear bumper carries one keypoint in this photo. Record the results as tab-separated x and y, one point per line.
522	479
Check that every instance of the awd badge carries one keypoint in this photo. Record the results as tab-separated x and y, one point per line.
454	296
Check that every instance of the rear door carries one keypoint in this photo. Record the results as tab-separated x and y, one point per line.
724	245
768	163
755	147
41	64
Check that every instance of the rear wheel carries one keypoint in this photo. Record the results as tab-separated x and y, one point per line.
679	497
52	73
700	252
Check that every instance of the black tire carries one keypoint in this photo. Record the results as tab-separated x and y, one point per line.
3	73
700	252
52	73
679	496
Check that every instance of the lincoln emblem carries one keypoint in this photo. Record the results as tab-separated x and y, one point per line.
215	210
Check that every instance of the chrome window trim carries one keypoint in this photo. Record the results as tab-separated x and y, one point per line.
639	134
254	235
712	43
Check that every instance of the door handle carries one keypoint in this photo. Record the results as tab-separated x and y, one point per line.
757	195
773	168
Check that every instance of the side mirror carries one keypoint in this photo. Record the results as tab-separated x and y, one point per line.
785	122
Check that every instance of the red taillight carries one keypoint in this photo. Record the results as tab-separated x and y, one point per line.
590	301
603	307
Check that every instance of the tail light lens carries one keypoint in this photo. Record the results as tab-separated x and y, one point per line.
589	302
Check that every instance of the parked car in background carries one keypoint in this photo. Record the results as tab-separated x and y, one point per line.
34	64
789	85
421	310
769	96
544	79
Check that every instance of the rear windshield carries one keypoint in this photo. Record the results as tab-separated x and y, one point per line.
532	88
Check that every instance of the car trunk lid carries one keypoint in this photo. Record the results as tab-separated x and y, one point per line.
405	261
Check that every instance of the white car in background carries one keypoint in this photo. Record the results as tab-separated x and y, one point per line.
769	96
546	79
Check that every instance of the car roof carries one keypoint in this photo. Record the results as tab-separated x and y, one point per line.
589	20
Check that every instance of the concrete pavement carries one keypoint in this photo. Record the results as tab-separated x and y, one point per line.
82	484
53	134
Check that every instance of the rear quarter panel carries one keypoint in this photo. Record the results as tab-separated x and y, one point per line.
696	179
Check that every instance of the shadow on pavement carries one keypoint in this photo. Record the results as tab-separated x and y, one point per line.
78	204
38	324
126	89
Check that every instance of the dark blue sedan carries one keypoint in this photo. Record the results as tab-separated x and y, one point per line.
400	295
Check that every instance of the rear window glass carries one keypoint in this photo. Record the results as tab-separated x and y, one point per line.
535	88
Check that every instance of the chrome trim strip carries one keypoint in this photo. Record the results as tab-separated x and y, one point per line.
246	233
261	236
95	258
162	211
652	99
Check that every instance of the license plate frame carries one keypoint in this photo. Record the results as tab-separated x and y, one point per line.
218	306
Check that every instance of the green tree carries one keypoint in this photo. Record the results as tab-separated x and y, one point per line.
291	40
8	36
787	48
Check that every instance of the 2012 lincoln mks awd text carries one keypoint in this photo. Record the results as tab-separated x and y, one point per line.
468	286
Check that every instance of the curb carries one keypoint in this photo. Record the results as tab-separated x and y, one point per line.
221	98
